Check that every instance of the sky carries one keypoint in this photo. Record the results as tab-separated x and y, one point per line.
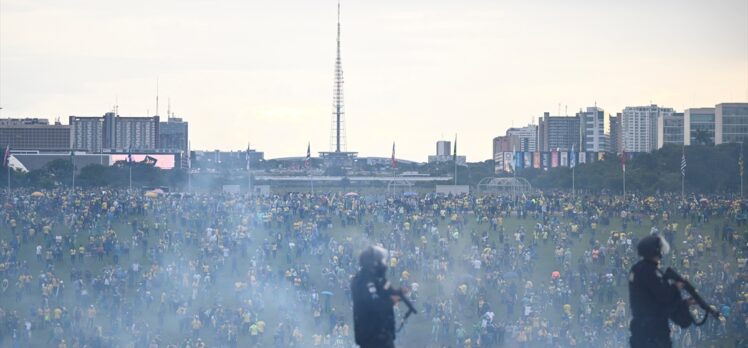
416	71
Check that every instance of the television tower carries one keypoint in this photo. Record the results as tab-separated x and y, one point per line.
337	137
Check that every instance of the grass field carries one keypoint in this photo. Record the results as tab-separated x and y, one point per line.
417	331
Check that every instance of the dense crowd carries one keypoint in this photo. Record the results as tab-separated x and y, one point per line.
118	269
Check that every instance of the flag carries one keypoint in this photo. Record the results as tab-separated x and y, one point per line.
623	160
393	161
308	160
247	157
683	163
129	156
454	155
189	155
741	164
6	156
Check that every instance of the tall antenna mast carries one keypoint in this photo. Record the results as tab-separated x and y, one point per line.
337	138
168	109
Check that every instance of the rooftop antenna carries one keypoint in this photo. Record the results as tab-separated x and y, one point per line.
566	109
168	109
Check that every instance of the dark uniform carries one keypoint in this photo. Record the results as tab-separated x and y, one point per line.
373	313
653	299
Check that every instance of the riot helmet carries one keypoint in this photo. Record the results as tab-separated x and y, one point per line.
374	260
652	246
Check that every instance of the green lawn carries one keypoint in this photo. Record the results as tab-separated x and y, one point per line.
417	330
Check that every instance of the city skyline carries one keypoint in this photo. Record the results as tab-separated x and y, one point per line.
249	72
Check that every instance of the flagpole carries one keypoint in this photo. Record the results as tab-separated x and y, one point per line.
6	163
741	164
624	179
189	167
249	171
455	159
683	175
73	161
573	183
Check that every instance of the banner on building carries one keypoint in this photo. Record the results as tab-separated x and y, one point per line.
546	160
528	160
519	160
536	160
554	159
509	162
582	158
572	159
591	157
564	159
498	162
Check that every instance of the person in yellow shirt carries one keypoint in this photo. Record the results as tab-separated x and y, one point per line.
196	325
91	313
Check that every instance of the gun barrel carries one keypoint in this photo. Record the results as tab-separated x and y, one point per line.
672	274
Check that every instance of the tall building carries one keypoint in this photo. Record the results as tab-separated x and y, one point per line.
174	135
731	121
699	126
443	148
639	127
444	153
558	132
28	121
670	129
33	134
112	132
506	143
592	129
527	137
86	133
615	144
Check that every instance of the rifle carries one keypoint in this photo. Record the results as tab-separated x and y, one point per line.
672	274
411	309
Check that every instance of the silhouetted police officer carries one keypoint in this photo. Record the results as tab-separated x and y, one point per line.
373	301
653	299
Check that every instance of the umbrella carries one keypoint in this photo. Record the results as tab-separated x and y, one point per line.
410	194
37	194
351	194
151	194
326	293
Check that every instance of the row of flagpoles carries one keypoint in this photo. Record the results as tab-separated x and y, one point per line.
393	164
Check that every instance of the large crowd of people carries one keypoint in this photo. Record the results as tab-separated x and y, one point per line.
113	268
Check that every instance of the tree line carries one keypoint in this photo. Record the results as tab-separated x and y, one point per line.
709	169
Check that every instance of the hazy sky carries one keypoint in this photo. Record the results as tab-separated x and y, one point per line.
415	70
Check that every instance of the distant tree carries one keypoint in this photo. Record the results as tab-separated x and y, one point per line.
702	138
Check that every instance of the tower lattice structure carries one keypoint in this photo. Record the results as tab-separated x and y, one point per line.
337	136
